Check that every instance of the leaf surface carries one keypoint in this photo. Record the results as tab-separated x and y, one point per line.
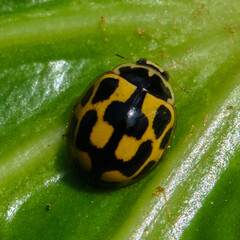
51	50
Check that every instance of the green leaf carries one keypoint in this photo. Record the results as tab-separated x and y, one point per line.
51	50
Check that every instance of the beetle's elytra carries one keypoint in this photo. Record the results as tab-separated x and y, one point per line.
121	125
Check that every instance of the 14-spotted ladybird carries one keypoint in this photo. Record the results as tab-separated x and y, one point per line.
122	124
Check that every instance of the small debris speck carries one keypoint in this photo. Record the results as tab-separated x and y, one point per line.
48	207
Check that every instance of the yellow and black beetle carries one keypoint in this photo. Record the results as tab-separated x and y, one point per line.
122	124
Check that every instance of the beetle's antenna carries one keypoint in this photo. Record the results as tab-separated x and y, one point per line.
129	59
176	84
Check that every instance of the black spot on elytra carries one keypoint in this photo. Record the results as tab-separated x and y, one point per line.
146	169
139	77
105	90
161	120
127	118
166	138
127	168
85	128
144	151
87	96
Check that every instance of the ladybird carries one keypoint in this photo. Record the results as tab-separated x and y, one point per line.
122	124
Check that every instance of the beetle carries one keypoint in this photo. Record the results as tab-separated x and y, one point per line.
122	124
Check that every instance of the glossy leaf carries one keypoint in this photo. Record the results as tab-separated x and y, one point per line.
51	50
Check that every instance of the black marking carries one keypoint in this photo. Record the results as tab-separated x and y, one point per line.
140	78
161	120
84	131
105	90
166	138
144	151
143	62
127	118
110	162
86	96
146	169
